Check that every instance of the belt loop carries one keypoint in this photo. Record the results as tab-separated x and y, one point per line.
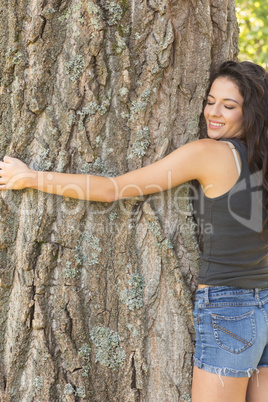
206	295
258	297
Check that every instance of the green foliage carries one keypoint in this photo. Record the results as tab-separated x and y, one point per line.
253	24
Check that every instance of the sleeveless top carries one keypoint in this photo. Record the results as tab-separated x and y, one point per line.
235	249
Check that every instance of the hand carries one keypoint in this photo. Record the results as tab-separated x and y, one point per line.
13	174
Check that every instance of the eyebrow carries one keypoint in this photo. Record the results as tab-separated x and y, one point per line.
226	99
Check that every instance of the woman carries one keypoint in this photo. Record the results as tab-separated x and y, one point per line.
231	310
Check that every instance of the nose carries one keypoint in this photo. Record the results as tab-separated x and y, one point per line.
215	110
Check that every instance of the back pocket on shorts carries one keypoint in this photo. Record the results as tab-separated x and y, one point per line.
234	334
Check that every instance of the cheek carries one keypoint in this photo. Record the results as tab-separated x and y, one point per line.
206	112
238	119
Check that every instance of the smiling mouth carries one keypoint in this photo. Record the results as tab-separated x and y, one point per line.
216	125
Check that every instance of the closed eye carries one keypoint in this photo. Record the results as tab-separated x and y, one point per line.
226	107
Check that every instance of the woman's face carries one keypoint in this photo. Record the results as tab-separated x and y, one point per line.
223	111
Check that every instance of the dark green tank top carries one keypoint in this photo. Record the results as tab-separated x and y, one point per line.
235	249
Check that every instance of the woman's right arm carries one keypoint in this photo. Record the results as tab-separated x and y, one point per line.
191	161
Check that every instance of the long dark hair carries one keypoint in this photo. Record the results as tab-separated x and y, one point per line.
252	82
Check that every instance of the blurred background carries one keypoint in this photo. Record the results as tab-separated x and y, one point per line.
253	24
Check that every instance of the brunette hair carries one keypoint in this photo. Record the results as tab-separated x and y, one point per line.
252	82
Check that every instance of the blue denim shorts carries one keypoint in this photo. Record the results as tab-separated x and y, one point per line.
231	327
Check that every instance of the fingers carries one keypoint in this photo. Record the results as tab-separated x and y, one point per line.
7	159
2	167
12	173
3	183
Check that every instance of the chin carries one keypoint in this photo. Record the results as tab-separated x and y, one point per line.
215	136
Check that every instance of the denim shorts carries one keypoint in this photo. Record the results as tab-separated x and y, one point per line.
231	327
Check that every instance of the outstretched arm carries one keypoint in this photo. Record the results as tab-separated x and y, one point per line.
186	163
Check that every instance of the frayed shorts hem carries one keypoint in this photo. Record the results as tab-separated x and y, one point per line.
263	366
228	372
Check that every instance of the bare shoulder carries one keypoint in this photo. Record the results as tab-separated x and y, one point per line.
212	156
211	149
205	151
218	170
195	159
204	145
216	148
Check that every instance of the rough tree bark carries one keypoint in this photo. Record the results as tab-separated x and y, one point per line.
96	298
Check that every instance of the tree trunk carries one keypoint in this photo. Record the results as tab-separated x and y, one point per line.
96	299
